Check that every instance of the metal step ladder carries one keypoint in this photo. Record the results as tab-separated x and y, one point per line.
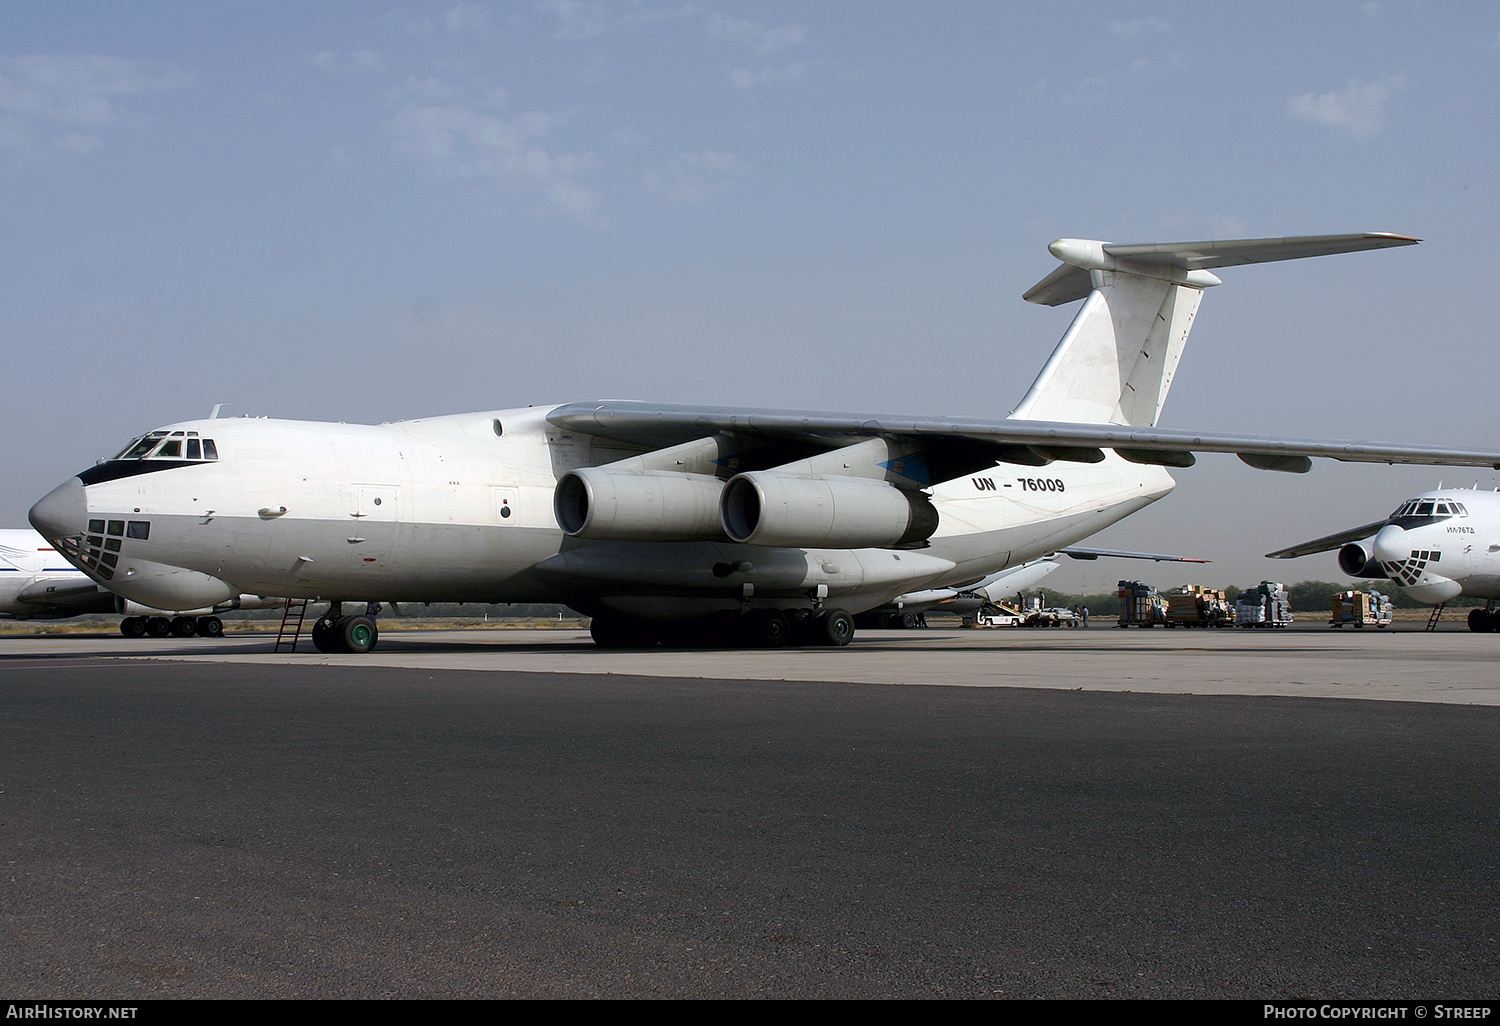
290	631
1432	620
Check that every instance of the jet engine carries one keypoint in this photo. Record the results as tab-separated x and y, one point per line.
602	504
1358	560
811	511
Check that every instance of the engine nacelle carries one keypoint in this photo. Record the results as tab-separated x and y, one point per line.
1358	560
764	507
637	505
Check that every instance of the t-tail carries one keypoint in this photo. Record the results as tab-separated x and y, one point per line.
1116	361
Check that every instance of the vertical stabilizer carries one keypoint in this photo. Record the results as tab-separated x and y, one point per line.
1117	360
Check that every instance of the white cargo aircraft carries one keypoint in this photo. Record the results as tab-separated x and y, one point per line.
1436	547
37	584
688	523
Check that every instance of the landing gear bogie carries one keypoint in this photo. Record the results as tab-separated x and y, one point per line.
356	634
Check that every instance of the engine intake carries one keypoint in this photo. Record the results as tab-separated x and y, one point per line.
806	511
1356	560
636	505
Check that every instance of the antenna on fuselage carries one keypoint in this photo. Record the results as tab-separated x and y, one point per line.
213	414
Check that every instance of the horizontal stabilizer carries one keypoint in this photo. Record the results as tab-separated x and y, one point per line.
1328	544
1070	281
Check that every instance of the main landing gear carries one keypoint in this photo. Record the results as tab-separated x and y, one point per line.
1485	620
175	627
336	633
759	628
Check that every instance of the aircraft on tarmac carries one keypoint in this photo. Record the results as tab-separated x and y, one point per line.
1435	547
36	584
692	524
904	610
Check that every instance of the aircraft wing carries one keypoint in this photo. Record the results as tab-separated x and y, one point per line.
1079	552
956	446
1332	541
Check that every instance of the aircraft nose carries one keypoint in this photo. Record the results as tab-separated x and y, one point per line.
1391	544
61	512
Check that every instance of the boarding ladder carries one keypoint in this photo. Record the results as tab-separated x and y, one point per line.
291	631
1432	620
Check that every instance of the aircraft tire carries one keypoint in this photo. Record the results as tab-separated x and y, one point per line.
908	621
834	628
325	636
210	627
133	626
770	628
358	633
158	626
1482	620
183	626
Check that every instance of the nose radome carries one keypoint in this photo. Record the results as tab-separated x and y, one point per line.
1391	544
61	512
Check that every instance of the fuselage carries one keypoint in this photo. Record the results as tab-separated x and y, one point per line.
460	509
1443	544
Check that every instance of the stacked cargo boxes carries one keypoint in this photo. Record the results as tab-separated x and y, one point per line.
1194	606
1359	609
1265	606
1140	606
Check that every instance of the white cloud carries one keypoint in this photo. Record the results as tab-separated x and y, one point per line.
352	62
745	78
696	177
763	41
1088	92
467	17
461	143
580	19
1359	109
45	99
1138	26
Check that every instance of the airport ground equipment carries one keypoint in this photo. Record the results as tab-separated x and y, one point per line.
1140	605
1360	609
996	614
1192	605
1266	606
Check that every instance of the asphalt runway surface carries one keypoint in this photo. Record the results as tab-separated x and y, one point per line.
180	821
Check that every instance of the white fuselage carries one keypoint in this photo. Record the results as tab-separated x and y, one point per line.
1443	544
460	508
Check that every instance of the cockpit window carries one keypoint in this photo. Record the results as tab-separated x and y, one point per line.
159	445
1429	509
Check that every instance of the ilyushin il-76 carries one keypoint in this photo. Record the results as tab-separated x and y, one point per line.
688	524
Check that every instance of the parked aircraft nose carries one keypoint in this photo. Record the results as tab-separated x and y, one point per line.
61	512
1391	544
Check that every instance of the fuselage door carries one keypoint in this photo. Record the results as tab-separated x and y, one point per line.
372	524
